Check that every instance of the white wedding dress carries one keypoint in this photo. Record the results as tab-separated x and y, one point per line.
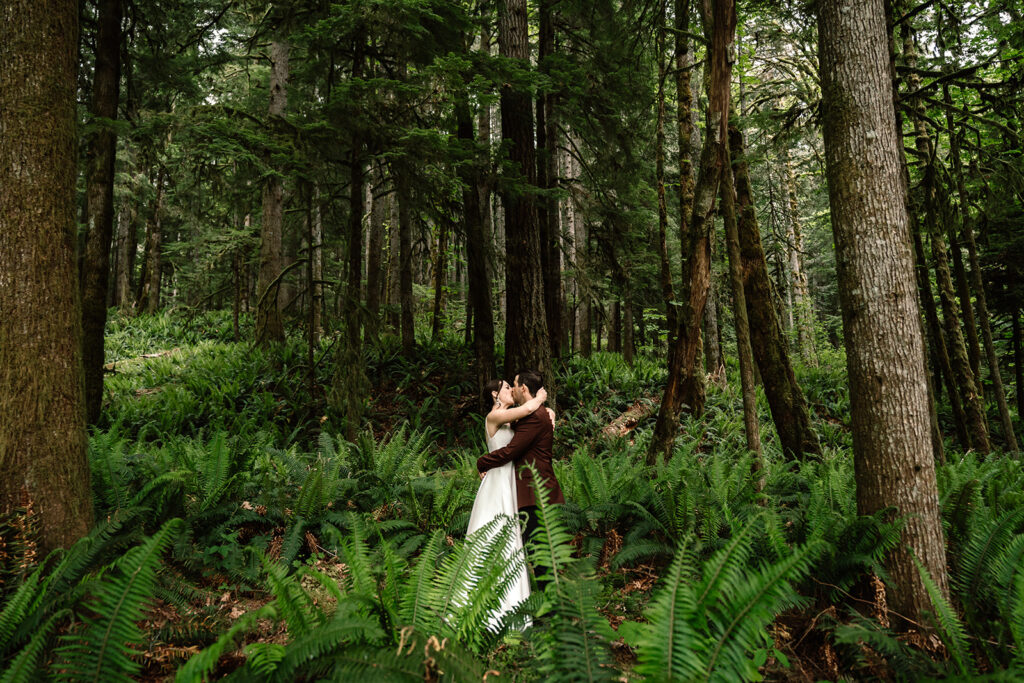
497	496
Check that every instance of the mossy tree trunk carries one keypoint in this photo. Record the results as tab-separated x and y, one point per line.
751	427
893	464
685	378
785	398
43	464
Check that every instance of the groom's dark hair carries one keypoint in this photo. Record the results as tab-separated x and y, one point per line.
532	379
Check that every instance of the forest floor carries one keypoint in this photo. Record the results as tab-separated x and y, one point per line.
787	579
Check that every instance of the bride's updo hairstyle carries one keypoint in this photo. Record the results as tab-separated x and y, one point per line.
492	387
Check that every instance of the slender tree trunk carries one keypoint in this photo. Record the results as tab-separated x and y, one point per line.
122	273
977	284
667	292
404	200
963	295
357	194
804	308
785	398
476	251
685	386
580	241
628	341
375	247
713	362
885	355
685	113
527	344
1018	358
100	201
547	179
269	327
394	254
316	262
751	427
440	278
149	297
44	471
964	376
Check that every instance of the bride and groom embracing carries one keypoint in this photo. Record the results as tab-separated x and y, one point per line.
519	434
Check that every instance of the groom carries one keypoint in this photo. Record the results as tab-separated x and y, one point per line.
531	444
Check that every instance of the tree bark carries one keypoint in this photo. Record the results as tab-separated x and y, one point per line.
317	267
1018	358
785	398
476	250
440	278
375	246
685	378
269	327
357	193
527	344
727	191
713	362
667	292
100	202
149	297
547	179
404	200
44	471
802	305
885	355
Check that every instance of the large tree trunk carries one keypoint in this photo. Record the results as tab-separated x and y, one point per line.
713	362
527	343
43	466
476	251
685	386
100	200
885	355
269	327
785	399
727	190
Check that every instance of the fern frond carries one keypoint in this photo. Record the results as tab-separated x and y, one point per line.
25	666
954	636
102	651
199	667
669	647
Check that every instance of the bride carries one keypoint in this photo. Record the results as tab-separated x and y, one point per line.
497	492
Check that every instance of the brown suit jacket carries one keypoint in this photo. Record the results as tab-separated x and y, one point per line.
530	444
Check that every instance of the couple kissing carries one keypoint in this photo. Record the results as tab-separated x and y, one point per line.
519	434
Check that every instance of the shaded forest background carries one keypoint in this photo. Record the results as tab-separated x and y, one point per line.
304	235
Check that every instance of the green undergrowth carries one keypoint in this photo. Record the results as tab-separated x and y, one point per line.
242	535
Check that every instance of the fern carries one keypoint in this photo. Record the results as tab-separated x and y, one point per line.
673	656
102	649
706	627
949	625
